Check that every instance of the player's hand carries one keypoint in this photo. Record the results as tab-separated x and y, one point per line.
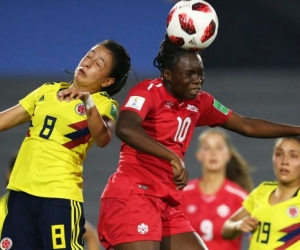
180	173
247	224
72	93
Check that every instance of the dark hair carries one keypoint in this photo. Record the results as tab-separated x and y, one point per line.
237	169
169	54
121	66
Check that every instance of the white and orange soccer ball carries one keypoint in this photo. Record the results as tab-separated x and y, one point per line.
192	24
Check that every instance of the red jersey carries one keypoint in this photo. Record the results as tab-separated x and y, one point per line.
170	122
207	214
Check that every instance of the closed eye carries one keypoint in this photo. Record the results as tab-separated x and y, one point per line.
187	75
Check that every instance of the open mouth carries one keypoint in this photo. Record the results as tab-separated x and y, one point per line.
81	71
194	91
284	171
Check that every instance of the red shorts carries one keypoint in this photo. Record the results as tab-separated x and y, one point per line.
139	218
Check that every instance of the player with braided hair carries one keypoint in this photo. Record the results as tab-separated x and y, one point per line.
45	203
156	123
166	57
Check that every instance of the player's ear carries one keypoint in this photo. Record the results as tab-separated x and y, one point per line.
108	82
166	75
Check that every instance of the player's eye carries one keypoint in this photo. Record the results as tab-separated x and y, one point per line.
277	154
188	76
205	148
294	156
89	55
220	148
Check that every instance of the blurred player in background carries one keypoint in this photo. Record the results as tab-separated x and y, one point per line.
90	236
156	124
45	204
3	198
209	200
272	210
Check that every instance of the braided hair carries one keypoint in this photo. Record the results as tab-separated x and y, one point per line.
169	54
120	68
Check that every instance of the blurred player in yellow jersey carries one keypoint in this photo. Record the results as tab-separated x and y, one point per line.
45	203
272	210
4	197
90	237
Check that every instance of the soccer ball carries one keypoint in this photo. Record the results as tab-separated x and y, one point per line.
192	24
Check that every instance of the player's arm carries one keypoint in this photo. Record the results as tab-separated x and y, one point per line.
240	222
13	116
258	128
130	131
101	128
91	237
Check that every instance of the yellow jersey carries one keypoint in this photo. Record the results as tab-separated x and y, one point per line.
279	224
3	209
50	160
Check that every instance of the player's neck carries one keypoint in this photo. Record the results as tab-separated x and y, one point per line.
210	183
283	193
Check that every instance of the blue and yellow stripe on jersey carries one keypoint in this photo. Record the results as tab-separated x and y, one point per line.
50	160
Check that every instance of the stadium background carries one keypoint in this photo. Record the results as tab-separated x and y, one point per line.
252	67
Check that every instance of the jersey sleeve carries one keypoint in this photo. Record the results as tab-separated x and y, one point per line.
109	109
213	113
28	102
249	202
106	106
140	101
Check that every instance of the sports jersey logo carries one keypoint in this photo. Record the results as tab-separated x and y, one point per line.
220	107
191	108
113	111
193	42
135	102
80	136
173	211
191	209
80	109
292	211
223	210
169	104
42	98
143	228
6	243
